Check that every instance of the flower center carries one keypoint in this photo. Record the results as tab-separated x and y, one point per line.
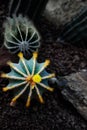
37	78
33	79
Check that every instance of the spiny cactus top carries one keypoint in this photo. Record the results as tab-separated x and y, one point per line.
28	75
21	35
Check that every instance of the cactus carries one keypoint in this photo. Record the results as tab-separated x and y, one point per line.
21	35
31	8
76	30
30	76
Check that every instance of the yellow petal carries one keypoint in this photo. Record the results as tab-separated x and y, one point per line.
3	75
20	54
28	102
5	89
35	55
47	62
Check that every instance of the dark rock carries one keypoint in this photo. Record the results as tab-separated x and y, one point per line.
75	31
60	12
75	90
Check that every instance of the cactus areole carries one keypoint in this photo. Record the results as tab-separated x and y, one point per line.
28	75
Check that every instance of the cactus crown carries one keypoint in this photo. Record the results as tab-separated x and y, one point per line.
21	35
28	75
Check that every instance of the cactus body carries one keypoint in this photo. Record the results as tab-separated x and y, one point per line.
76	30
30	76
21	35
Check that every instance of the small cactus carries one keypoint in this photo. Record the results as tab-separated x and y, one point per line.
28	75
21	35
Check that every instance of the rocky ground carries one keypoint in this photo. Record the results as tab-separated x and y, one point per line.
56	113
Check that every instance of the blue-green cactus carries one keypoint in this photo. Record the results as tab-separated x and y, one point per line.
28	75
21	35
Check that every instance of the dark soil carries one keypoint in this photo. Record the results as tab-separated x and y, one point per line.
56	113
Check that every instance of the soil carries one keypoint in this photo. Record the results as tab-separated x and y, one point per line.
56	113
